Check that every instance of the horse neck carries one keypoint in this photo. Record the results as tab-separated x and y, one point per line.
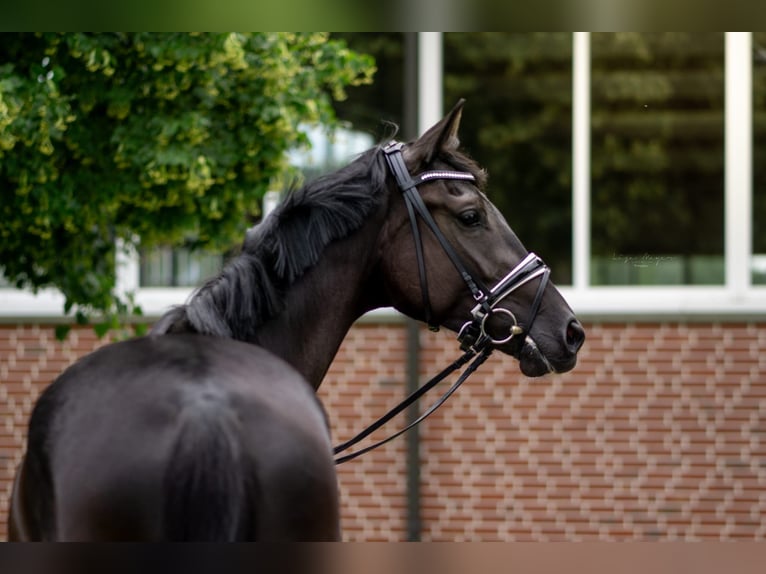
323	305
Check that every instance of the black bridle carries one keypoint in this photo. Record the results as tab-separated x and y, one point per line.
473	336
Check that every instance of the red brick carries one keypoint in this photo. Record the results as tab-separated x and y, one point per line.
659	433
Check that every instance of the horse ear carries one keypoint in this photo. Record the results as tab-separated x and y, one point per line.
442	136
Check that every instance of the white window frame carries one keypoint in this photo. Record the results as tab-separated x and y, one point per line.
738	298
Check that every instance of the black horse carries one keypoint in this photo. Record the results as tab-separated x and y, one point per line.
209	428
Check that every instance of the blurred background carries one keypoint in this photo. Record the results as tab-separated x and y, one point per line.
635	165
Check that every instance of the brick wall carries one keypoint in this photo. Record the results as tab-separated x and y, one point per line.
659	433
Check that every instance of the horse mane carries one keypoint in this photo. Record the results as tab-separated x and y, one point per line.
251	287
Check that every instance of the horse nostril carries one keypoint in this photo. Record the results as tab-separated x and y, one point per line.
575	335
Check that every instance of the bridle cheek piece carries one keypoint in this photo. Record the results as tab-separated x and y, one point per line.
474	334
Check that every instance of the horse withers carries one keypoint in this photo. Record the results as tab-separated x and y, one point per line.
209	428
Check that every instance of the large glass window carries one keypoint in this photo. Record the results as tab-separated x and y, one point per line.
376	108
657	168
166	267
518	125
759	158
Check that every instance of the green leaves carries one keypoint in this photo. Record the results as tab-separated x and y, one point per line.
160	137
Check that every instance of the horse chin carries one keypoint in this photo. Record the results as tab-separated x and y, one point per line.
532	361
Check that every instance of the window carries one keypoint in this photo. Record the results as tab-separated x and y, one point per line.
759	158
166	267
329	151
376	108
657	159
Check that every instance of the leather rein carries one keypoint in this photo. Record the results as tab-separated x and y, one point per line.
475	341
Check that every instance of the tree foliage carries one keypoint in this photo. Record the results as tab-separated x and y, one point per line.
150	138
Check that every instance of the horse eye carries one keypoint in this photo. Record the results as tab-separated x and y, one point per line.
470	218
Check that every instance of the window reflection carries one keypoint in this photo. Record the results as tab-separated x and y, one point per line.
166	267
657	164
376	107
759	158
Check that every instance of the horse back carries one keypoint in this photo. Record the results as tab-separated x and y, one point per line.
179	437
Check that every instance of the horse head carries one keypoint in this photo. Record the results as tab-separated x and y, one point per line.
466	269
